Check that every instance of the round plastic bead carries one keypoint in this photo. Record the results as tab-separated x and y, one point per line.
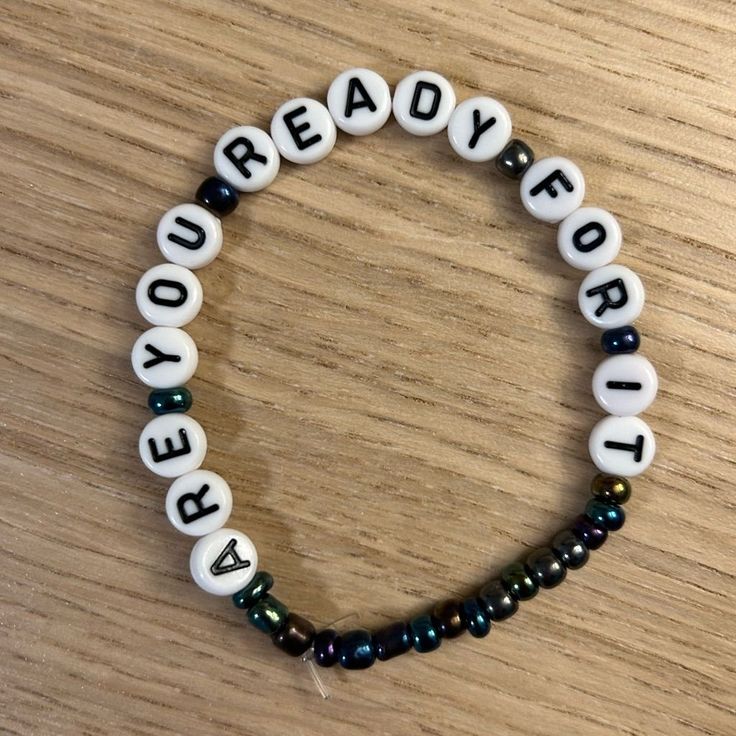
169	400
268	614
588	532
518	582
246	158
552	189
611	296
255	590
608	515
217	196
479	129
169	295
620	340
164	357
359	101
303	131
326	647
172	444
223	562
545	568
622	446
515	159
392	640
476	617
625	385
498	602
189	236
570	550
448	617
199	503
356	650
589	238
423	103
296	635
611	488
424	634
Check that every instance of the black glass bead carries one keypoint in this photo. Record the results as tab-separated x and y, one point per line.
392	640
167	400
255	590
295	636
448	618
570	550
586	530
611	488
356	650
518	582
609	515
497	600
326	647
217	195
515	159
545	568
621	340
425	636
477	619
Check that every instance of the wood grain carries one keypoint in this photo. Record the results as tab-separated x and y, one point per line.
393	374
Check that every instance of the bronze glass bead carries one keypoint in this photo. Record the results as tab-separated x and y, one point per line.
611	488
295	636
448	618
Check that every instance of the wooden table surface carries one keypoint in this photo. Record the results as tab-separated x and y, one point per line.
394	376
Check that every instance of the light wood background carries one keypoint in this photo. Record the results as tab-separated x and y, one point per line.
393	374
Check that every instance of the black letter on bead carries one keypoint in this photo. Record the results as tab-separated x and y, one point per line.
177	301
196	499
607	302
414	110
159	356
198	231
479	128
297	130
219	568
581	232
355	85
250	154
637	448
547	184
624	385
171	451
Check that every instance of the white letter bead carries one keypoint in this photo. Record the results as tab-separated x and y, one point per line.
169	295
189	236
611	296
246	158
172	444
622	446
625	385
423	103
199	503
589	238
479	128
552	189
164	357
359	100
223	562
303	130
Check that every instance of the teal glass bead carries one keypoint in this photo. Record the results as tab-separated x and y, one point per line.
518	582
476	618
255	590
168	400
268	614
608	515
356	650
424	634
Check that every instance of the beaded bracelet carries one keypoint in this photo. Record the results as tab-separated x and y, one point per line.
224	561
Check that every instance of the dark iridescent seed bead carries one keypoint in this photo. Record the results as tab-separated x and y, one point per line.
326	647
570	550
545	568
424	634
518	582
609	515
268	614
515	159
448	618
476	617
356	650
621	340
217	195
392	640
255	590
167	400
497	600
295	636
611	488
592	535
